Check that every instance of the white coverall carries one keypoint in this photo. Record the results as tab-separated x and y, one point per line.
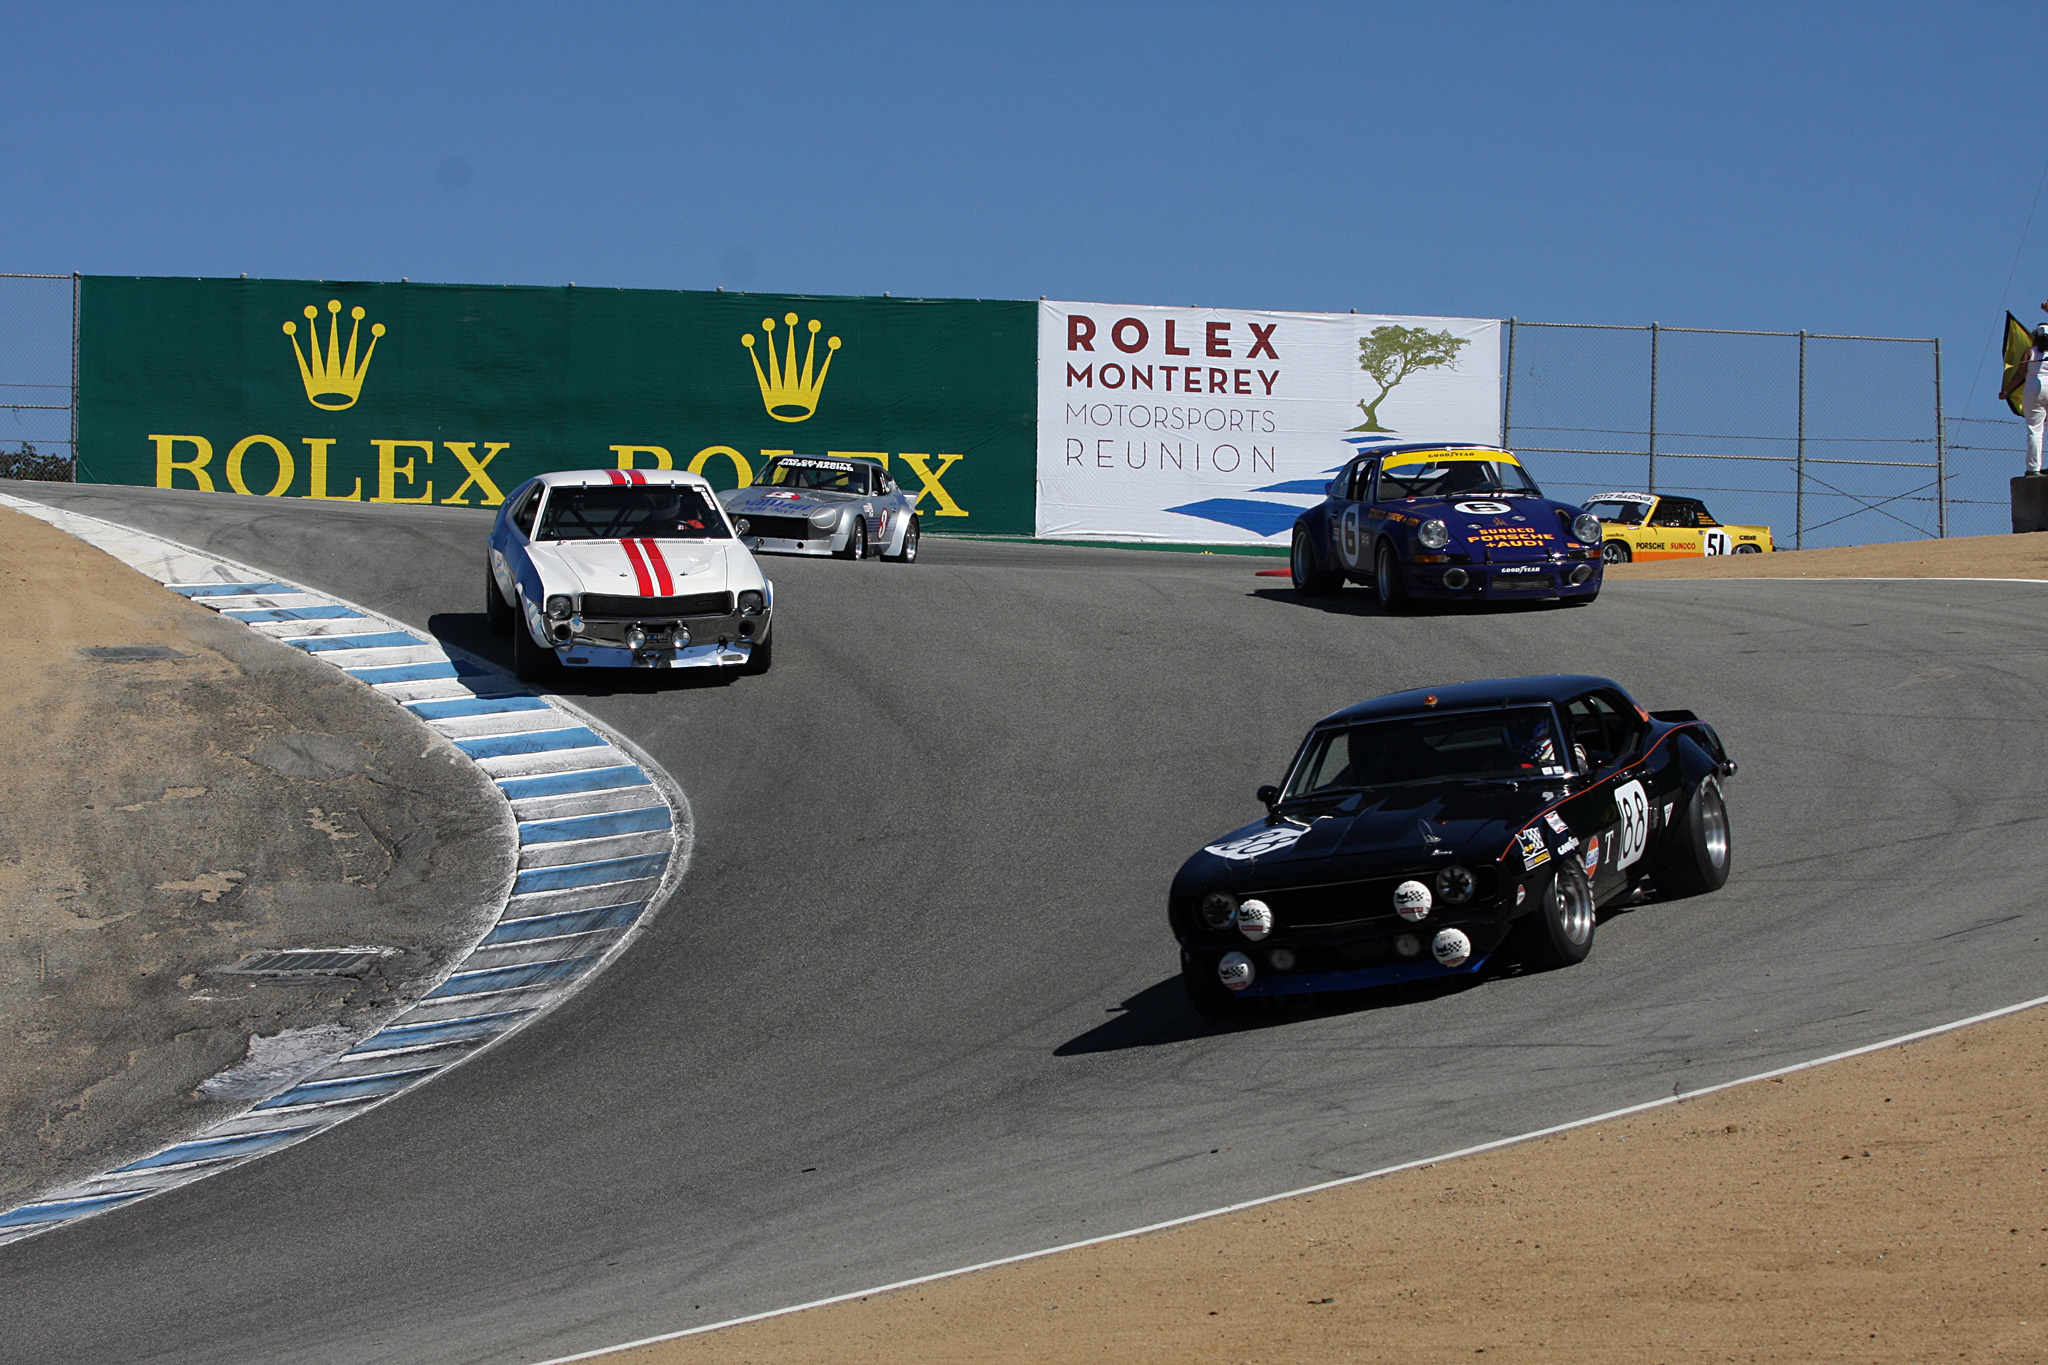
2034	408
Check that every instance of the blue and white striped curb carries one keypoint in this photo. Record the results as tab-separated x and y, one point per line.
604	835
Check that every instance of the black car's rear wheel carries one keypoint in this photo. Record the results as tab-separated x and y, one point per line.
496	611
1698	849
1559	932
1210	997
1310	581
1386	578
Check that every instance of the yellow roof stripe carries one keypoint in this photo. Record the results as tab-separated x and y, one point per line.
1408	457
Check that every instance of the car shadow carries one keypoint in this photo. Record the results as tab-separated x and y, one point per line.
471	631
1355	601
1161	1014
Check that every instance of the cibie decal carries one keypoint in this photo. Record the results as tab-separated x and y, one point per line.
1634	805
790	395
1258	845
1482	509
330	375
1534	854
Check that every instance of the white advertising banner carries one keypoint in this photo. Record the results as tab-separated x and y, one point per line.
1219	426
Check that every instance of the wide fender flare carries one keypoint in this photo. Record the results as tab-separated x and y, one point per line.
1696	763
1322	540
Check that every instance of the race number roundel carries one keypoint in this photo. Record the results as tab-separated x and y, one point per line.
1349	548
1719	543
1634	835
1482	509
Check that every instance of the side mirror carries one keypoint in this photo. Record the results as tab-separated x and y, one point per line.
1267	795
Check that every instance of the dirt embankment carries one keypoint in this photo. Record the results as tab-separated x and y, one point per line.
1893	1207
169	816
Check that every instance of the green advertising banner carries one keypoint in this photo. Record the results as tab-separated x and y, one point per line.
450	395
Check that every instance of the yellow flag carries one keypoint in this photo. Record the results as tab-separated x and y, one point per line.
2018	341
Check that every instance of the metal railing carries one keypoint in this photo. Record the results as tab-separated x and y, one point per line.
38	376
1797	423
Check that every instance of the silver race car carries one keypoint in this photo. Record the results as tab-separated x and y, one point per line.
812	505
608	568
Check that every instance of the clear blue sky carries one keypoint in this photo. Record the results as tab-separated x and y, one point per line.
1851	168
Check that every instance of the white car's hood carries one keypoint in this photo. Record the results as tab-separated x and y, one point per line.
644	568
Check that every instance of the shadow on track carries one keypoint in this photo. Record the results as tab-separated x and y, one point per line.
1362	602
469	630
1161	1014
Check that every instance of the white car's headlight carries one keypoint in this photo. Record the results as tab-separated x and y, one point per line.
1434	535
561	605
1586	527
752	603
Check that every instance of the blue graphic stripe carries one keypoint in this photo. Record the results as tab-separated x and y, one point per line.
317	644
61	1209
426	672
530	742
474	706
589	874
640	821
347	1088
568	922
568	784
232	589
253	615
511	978
445	1031
215	1149
1260	518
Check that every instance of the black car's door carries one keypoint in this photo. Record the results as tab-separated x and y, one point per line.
1625	787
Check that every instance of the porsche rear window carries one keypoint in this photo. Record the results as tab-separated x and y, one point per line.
651	511
1518	741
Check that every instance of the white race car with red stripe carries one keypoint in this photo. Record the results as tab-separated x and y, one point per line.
610	568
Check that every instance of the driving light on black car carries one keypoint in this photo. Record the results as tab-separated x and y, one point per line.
1281	959
1235	971
1434	534
1408	945
1456	884
1254	920
1586	527
1218	910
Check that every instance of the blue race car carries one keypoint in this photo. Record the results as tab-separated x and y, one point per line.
1460	523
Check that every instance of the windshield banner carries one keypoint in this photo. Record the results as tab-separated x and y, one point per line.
1220	426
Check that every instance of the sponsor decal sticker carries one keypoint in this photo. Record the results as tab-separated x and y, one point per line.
1482	509
1634	805
1592	855
1412	900
1534	854
1555	821
1257	845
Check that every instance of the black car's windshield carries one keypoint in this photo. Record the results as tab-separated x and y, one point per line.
1511	742
1426	479
833	476
650	511
1613	509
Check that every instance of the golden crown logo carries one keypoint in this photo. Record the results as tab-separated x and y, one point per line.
788	395
332	375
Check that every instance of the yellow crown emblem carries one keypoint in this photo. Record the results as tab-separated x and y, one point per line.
790	395
332	375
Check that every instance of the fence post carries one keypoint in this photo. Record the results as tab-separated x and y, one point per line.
1507	402
1799	461
1653	407
1940	452
75	283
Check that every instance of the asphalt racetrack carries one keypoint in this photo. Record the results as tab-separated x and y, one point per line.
916	1005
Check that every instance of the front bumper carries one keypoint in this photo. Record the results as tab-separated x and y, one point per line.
772	545
710	642
1347	959
1483	581
715	655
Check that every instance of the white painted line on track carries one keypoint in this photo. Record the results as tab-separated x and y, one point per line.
1476	1150
509	977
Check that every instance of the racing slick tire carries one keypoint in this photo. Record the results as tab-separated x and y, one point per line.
1749	549
1695	853
1386	578
1310	581
530	660
908	555
1559	932
496	613
1616	552
760	658
1210	997
856	542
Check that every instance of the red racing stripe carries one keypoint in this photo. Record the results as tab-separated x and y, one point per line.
639	568
616	475
659	564
636	476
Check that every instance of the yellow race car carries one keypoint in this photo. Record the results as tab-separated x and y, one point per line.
1648	526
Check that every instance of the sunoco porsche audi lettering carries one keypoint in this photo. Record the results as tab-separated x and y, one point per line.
1417	834
1454	522
1648	526
808	505
609	568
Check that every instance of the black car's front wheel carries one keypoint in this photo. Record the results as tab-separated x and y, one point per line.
1386	578
1310	581
1559	933
1697	849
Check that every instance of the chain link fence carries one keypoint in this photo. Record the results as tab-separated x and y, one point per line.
1829	440
38	376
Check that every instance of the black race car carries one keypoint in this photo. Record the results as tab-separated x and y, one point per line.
1451	522
1418	833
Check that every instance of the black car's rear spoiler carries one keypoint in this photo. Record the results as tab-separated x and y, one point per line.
1673	715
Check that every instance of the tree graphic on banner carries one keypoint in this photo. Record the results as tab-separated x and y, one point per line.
1391	353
